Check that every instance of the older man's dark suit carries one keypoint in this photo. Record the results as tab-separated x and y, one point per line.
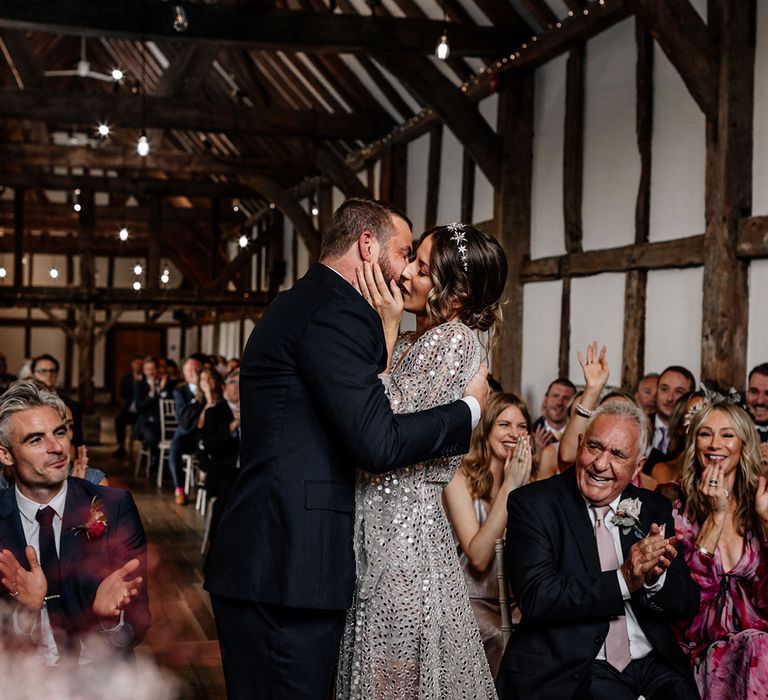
313	410
85	563
566	600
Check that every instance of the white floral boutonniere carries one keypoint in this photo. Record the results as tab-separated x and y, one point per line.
628	517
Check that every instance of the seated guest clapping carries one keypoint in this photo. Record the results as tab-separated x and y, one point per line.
724	526
187	409
73	557
499	461
597	580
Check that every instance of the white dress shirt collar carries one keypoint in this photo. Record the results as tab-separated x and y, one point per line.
28	508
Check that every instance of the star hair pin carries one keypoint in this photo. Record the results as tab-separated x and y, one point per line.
460	238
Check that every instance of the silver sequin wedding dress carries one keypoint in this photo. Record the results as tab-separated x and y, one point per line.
410	633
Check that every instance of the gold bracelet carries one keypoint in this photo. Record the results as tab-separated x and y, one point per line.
704	552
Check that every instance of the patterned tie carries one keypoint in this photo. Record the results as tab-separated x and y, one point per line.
617	642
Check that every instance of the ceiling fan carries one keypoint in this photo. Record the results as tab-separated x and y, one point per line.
83	70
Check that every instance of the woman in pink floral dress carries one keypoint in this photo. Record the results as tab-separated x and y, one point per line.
725	523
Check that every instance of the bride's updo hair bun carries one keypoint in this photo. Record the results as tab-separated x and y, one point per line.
469	270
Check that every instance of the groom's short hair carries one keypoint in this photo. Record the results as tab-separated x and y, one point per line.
352	218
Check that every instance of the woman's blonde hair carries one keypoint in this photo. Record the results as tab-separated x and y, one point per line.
745	486
477	464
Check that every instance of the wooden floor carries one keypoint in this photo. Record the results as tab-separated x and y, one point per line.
182	639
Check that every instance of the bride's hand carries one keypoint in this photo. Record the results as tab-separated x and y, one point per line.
387	301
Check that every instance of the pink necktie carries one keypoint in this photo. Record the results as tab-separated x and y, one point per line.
617	641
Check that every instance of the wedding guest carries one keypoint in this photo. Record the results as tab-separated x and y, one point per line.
219	442
724	525
187	412
757	405
549	427
128	414
499	461
597	595
645	396
679	421
173	370
45	369
148	391
70	594
674	381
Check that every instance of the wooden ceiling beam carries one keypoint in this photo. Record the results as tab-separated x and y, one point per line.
64	213
436	92
29	155
252	27
685	39
549	45
24	62
129	299
124	110
137	186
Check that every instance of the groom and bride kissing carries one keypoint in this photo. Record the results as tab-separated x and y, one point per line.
334	545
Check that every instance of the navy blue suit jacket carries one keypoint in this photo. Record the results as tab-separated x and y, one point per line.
567	601
313	410
85	563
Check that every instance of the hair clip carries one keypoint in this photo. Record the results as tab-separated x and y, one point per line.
460	237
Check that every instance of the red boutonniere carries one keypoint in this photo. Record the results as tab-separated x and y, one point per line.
96	525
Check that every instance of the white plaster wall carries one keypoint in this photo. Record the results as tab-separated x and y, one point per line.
547	221
757	341
338	198
206	339
376	188
611	159
597	313
302	257
678	159
483	192
12	346
190	344
124	275
449	199
173	344
673	319
760	152
541	337
416	203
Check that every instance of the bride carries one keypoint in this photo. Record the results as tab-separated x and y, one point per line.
410	633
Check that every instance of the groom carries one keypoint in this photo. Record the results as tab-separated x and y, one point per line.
282	570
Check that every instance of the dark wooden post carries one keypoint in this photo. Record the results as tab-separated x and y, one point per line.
573	179
467	188
512	216
18	237
728	195
636	281
86	313
433	175
215	239
155	233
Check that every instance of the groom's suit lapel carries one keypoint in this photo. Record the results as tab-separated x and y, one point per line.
578	519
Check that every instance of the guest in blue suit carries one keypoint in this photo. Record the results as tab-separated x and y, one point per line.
72	554
187	409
